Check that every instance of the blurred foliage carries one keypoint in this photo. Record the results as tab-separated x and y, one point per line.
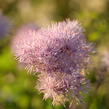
17	87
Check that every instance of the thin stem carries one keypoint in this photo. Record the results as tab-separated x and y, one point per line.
67	106
73	106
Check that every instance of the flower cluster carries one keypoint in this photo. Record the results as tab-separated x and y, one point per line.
60	53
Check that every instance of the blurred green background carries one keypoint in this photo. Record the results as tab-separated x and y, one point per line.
17	87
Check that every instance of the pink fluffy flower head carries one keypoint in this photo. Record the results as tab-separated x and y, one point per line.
61	47
60	53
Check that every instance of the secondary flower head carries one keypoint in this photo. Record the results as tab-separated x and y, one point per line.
23	43
63	87
5	26
60	53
